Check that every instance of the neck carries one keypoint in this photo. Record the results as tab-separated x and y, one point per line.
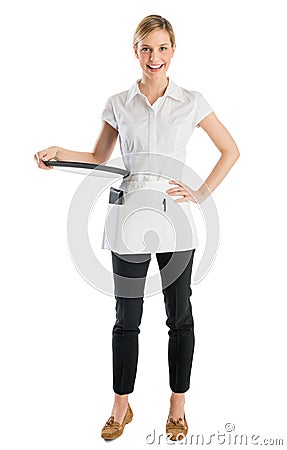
154	88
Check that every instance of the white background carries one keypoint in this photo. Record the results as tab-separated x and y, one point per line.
60	61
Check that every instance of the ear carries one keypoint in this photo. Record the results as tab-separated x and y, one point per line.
136	51
173	49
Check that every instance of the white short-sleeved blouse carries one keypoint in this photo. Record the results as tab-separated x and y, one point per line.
148	220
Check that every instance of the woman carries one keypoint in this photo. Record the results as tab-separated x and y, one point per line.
157	102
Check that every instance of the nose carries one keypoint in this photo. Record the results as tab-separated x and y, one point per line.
153	55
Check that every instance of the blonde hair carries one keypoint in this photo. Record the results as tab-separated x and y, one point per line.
152	23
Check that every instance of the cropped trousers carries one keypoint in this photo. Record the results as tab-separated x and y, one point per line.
129	309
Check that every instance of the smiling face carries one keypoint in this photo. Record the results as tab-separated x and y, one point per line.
154	53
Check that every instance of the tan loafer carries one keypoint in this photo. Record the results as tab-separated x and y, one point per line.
176	429
113	429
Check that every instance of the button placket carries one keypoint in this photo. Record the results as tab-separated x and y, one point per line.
151	132
152	141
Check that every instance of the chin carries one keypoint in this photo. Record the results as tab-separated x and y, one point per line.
157	75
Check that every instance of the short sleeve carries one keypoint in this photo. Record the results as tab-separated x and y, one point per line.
108	114
202	109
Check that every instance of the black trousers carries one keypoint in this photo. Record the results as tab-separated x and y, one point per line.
129	310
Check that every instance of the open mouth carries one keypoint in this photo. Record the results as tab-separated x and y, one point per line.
155	68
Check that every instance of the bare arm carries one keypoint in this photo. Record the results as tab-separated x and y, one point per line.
229	155
227	147
103	149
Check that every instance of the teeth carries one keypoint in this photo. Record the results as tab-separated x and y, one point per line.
155	67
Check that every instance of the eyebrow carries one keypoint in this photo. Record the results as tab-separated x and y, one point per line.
146	45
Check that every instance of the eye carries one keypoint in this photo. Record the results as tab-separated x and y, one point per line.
163	48
145	49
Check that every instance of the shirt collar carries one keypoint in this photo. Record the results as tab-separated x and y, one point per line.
172	91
